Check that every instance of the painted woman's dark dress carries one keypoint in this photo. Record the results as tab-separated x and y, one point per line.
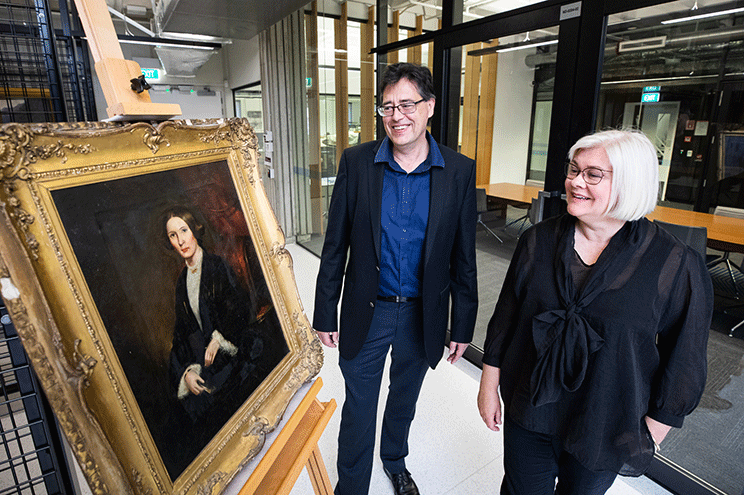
224	307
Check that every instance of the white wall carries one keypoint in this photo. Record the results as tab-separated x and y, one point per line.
512	114
243	62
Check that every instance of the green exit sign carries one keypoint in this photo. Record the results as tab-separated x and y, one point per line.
150	73
650	97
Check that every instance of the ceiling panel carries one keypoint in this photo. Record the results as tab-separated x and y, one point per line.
236	19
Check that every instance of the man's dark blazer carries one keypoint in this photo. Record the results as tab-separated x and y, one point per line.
448	258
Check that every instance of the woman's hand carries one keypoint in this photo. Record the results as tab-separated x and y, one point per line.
658	430
489	403
194	383
211	352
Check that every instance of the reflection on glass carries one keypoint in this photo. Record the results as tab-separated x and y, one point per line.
675	72
248	104
507	96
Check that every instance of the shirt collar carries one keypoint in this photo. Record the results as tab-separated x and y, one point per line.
434	158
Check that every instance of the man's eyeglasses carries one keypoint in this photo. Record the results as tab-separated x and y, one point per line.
591	175
406	108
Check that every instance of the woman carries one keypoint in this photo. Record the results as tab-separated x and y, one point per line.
598	339
214	347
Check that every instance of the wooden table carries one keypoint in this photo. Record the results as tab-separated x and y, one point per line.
724	233
512	194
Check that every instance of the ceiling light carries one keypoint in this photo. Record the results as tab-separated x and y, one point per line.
617	20
703	16
524	47
643	44
195	37
431	6
168	45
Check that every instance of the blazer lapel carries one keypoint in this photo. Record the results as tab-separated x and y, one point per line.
439	190
376	177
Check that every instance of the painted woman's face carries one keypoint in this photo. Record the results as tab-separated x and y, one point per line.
181	237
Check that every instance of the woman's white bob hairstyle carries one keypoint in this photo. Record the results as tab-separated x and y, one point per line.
635	171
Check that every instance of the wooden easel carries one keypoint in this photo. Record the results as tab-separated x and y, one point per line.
114	72
295	447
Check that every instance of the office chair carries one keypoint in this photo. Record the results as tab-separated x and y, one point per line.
695	237
732	272
481	199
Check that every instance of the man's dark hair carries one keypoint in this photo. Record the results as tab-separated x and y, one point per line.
417	74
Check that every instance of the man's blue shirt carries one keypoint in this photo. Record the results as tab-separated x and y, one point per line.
405	215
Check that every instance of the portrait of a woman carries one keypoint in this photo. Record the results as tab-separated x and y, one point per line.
215	346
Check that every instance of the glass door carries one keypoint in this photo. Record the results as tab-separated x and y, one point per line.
507	84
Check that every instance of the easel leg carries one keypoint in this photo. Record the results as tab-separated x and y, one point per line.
318	474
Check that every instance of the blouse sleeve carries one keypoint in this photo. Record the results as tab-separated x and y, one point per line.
503	323
680	378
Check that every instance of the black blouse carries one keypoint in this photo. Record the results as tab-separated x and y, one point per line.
588	364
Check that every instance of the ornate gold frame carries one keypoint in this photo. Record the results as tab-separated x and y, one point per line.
50	302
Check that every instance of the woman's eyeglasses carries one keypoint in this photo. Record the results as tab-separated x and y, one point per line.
591	175
406	108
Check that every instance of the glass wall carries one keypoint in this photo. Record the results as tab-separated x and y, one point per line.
248	104
667	69
507	92
676	71
341	90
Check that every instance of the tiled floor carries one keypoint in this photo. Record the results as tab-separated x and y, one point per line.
452	452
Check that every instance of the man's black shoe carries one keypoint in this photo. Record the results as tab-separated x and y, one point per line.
403	483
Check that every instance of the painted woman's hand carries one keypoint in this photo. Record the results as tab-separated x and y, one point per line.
211	352
194	383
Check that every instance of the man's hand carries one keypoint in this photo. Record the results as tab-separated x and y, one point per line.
329	339
456	350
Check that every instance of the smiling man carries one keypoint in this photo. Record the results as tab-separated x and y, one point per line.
403	215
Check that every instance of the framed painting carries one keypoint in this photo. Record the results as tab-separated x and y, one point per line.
147	276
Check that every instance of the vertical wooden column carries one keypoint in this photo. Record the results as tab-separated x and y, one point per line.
393	35
430	62
414	53
471	93
410	53
486	111
313	113
367	77
342	83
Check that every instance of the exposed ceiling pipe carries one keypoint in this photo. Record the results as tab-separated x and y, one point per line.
730	34
131	22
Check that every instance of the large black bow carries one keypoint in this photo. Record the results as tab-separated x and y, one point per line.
563	338
563	341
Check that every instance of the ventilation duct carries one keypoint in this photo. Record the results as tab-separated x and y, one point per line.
183	62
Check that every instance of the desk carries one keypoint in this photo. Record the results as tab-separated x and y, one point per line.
724	233
511	194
